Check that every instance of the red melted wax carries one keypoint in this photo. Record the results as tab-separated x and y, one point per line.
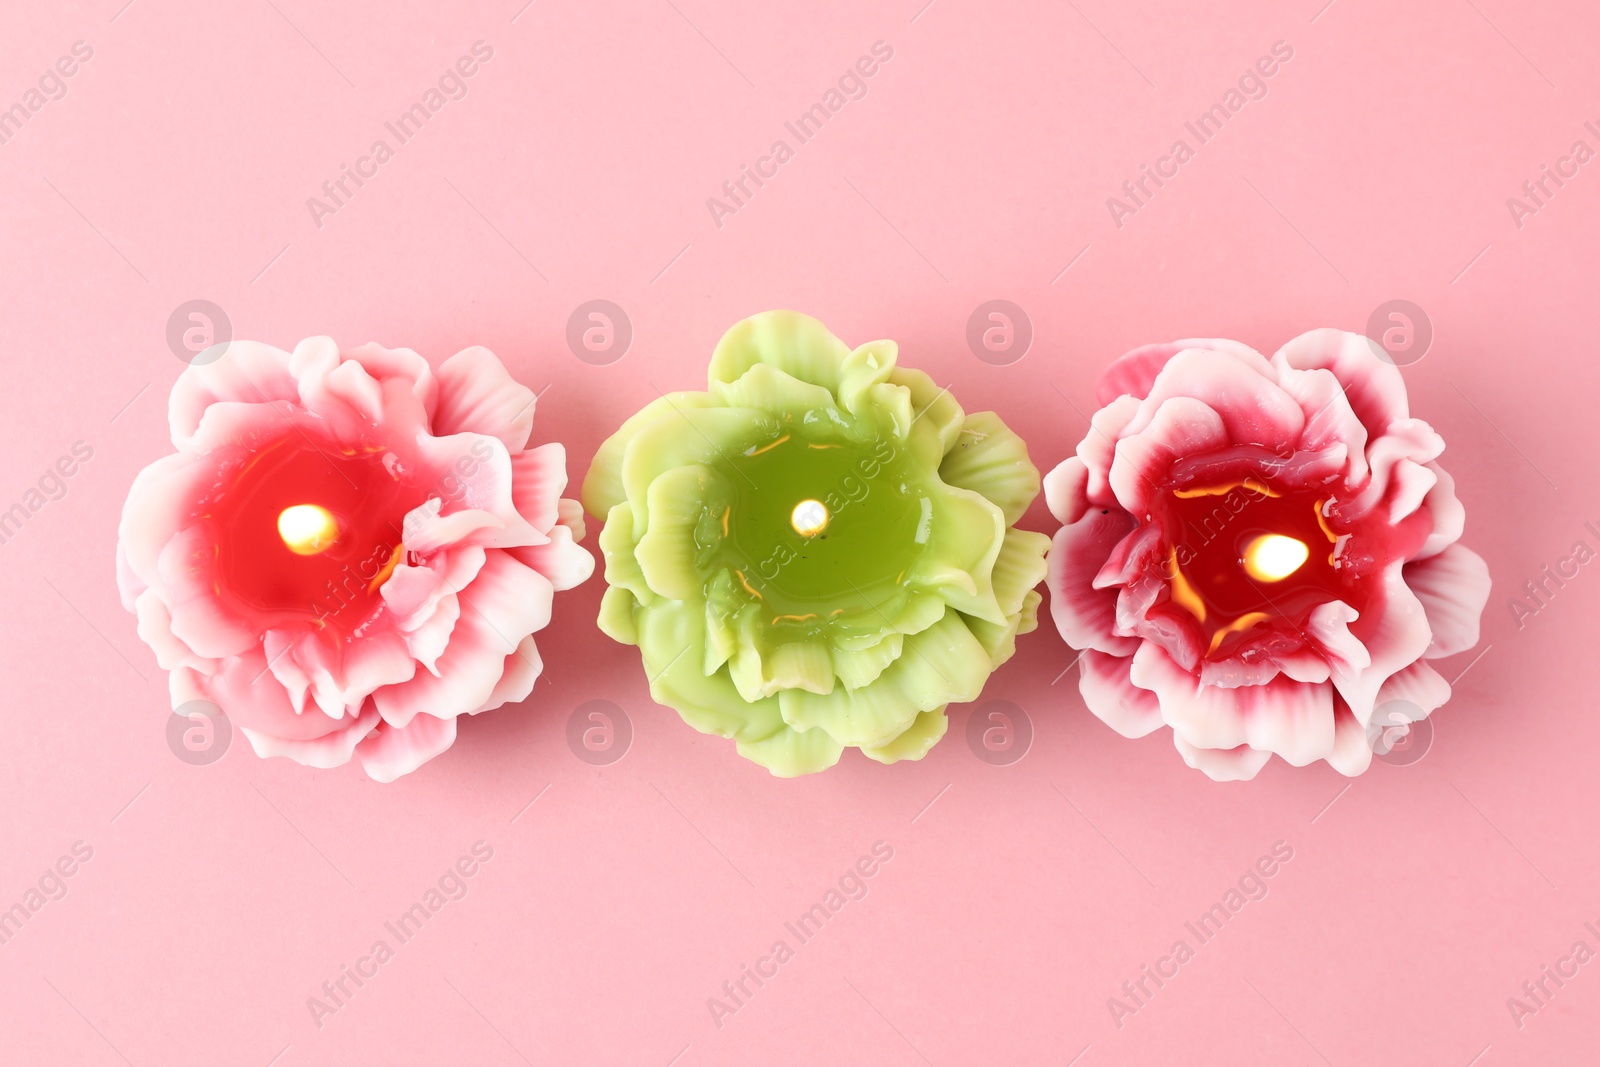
337	587
1209	534
1219	505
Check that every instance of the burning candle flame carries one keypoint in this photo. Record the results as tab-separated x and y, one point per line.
809	518
307	529
1273	557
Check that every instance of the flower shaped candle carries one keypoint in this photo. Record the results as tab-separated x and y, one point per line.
1260	553
349	549
818	552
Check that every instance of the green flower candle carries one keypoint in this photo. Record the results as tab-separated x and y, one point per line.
817	552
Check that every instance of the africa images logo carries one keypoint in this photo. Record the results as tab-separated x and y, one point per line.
451	85
1251	86
852	85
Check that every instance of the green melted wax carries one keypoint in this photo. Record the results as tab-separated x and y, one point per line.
878	524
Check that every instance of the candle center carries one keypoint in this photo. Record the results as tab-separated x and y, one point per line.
307	528
1273	557
809	518
307	533
843	548
1244	556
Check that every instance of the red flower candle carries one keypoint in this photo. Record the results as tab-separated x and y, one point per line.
348	549
1261	554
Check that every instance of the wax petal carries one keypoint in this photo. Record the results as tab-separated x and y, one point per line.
332	749
710	434
428	639
858	668
160	503
1407	441
1181	426
790	753
565	562
312	359
1328	626
912	615
932	407
617	542
875	714
914	741
616	618
391	751
413	592
472	472
766	388
866	367
478	395
602	485
155	630
1304	665
1223	764
1086	616
796	344
1417	688
806	665
506	602
344	674
1253	409
889	406
1330	420
1399	637
1066	490
1351	754
538	478
1098	448
248	372
521	670
399	367
1449	515
964	540
1453	587
1292	719
1235	672
427	530
999	640
1111	695
668	553
990	459
672	645
1135	373
341	393
1412	482
242	687
186	574
569	513
1018	568
942	664
278	645
1175	633
1376	392
248	427
745	666
724	609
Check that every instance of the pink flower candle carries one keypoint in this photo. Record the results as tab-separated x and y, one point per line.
349	549
1260	553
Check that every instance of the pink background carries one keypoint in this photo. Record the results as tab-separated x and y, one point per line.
1019	898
